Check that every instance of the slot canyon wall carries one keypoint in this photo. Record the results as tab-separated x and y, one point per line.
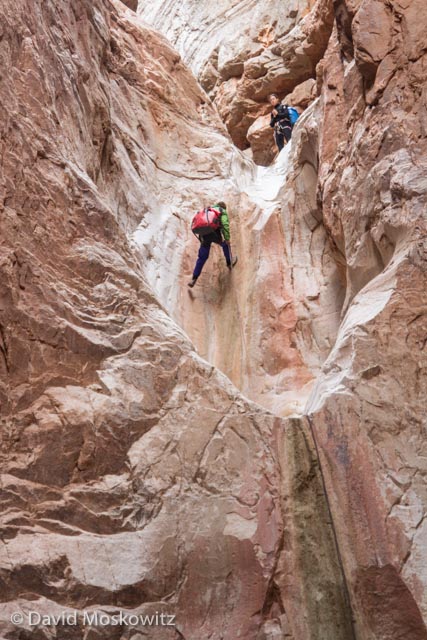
243	51
249	456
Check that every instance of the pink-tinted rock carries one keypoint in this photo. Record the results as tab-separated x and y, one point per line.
135	476
303	95
132	4
365	408
251	50
261	139
372	30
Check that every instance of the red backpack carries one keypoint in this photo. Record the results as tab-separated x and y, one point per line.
206	221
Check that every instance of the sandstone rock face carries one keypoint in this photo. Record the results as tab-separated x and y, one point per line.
278	47
132	4
366	409
286	498
233	319
229	30
261	138
353	221
135	477
303	95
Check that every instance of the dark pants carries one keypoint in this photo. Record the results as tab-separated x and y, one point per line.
205	248
281	137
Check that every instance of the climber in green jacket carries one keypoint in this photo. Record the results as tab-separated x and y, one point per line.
212	225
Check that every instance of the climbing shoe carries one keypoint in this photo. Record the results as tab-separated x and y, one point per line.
192	282
233	262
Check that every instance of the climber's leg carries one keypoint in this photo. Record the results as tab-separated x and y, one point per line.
287	133
226	250
280	140
229	258
204	250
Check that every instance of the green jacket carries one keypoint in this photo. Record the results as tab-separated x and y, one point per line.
225	222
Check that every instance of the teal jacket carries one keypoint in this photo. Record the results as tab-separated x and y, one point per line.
225	222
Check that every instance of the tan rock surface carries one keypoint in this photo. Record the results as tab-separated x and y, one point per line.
132	4
277	48
303	95
261	139
228	31
355	248
135	476
367	406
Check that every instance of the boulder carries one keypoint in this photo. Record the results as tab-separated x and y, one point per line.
303	95
261	139
262	48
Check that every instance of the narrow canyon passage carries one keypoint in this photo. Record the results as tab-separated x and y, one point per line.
301	325
136	478
248	456
246	324
249	323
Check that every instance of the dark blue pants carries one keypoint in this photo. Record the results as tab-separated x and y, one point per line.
204	250
281	137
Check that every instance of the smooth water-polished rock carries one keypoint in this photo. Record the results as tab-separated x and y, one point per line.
243	51
135	476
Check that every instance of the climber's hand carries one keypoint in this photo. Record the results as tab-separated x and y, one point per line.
274	112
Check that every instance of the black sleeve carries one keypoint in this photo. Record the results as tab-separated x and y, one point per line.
272	119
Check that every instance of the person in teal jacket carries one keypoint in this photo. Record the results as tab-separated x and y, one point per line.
221	237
